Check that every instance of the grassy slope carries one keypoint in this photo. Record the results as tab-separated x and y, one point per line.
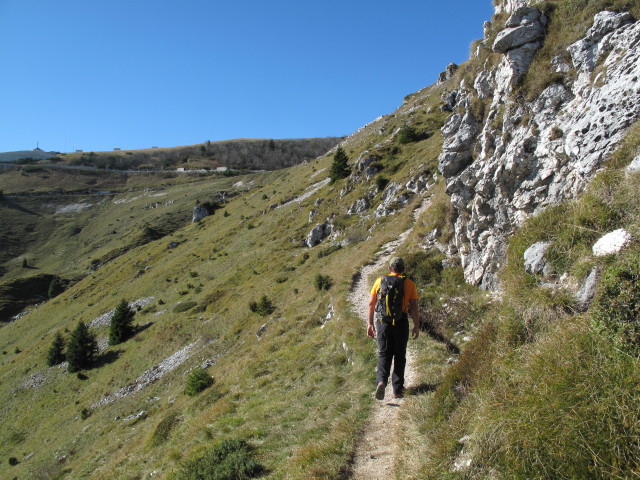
300	393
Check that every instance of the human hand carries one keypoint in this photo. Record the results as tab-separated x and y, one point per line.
415	333
371	331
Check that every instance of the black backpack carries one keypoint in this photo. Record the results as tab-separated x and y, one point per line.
390	295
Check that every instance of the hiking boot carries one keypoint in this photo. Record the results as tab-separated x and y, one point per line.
380	390
398	395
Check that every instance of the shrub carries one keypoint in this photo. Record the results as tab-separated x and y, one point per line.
197	381
556	133
121	327
183	307
228	460
329	250
82	348
164	429
56	353
408	134
263	307
323	282
13	461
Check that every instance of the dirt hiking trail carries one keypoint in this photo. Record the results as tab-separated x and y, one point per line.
377	449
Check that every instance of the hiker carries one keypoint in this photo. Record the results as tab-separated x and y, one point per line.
392	296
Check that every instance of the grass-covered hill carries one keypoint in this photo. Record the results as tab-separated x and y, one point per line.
239	154
542	388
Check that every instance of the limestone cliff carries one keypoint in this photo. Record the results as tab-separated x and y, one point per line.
505	157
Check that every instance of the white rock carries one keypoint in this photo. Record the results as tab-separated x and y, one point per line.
612	242
588	289
534	261
634	166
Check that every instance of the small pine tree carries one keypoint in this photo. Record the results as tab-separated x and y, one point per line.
56	353
265	306
121	323
82	348
54	287
340	166
198	380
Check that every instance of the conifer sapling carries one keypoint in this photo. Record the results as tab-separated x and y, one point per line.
56	353
82	348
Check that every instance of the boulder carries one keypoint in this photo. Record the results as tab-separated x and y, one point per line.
318	234
612	242
534	261
509	6
465	132
450	99
634	166
417	184
525	25
606	22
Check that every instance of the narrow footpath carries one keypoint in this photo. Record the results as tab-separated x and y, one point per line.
376	452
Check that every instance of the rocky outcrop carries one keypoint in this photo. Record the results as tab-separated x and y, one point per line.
359	206
318	233
199	212
523	156
459	132
448	73
509	6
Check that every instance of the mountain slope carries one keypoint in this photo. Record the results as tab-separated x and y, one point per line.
545	387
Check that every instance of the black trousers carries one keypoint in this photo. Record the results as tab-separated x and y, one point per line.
392	346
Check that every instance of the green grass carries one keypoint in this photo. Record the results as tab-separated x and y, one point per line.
214	263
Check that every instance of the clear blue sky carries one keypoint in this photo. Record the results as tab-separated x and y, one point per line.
141	73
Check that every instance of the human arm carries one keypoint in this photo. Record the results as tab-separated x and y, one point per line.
413	310
371	331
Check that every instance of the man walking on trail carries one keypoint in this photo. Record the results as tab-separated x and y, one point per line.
392	297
